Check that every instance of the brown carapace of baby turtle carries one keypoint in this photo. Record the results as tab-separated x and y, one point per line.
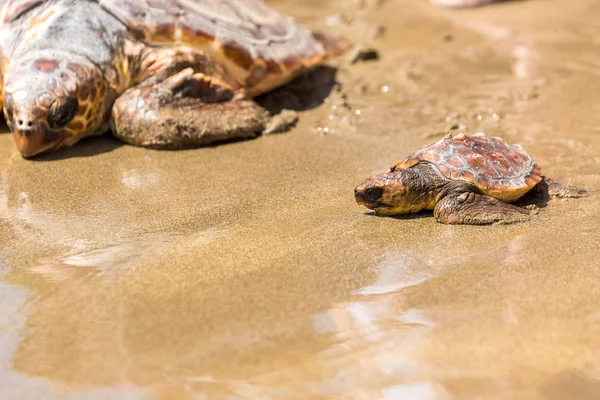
161	73
463	179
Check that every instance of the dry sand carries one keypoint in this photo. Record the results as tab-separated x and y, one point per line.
247	271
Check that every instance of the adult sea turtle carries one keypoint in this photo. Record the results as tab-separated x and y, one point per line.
463	179
159	73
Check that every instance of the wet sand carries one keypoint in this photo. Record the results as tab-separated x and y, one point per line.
247	271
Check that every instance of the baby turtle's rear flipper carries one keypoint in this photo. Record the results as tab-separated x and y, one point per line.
546	190
557	189
476	209
185	110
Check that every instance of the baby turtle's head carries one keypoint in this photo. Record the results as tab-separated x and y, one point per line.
393	192
52	102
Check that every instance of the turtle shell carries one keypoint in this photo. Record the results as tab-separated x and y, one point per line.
259	46
498	169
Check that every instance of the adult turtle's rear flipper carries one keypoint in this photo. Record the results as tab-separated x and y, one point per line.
476	209
185	110
333	44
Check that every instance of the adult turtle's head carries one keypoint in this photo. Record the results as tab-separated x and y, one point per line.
52	101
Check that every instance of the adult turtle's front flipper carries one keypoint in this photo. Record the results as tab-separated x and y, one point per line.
185	110
476	209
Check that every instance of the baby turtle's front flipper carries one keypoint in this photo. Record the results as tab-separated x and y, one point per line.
185	110
476	209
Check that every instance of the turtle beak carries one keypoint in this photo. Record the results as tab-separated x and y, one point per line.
30	137
360	197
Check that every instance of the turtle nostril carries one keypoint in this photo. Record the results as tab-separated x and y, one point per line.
25	123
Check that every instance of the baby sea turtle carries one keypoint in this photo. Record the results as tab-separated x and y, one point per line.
463	179
160	73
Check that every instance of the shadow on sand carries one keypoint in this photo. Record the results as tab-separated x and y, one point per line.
306	92
419	215
87	147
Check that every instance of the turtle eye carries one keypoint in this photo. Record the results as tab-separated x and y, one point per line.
8	110
373	193
62	112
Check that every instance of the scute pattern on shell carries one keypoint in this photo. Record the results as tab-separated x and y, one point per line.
246	26
246	22
258	45
497	168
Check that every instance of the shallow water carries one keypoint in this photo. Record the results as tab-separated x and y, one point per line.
247	271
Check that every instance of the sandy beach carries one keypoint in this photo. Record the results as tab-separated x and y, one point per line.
248	271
